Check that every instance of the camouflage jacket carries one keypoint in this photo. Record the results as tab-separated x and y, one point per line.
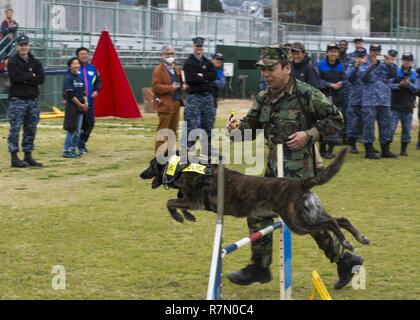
376	91
299	107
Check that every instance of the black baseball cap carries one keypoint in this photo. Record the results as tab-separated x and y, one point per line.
358	40
22	39
407	56
393	53
375	47
198	41
332	45
361	52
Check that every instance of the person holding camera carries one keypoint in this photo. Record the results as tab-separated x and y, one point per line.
354	96
377	101
404	88
74	92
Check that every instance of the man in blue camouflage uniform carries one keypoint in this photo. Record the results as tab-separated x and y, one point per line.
377	102
199	110
354	100
26	74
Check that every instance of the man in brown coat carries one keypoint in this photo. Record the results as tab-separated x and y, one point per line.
167	86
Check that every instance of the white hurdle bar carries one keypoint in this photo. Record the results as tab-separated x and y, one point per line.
285	266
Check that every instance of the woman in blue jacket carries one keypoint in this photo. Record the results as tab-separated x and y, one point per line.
75	95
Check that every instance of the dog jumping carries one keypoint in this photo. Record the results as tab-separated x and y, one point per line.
300	209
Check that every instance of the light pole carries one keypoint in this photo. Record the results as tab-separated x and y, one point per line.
274	22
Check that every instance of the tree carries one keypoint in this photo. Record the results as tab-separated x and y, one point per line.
211	6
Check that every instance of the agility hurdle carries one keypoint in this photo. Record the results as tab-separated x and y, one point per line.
285	266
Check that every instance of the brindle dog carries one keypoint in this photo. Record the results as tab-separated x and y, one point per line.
292	200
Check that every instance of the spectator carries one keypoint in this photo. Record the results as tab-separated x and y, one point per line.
199	111
220	83
354	101
332	80
404	88
377	102
92	81
358	43
302	68
344	57
9	28
74	92
167	86
25	73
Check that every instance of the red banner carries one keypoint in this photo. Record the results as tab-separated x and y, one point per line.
116	97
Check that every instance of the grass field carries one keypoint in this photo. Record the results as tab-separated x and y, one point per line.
114	237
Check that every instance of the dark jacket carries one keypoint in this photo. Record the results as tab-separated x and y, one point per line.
329	74
7	28
25	77
403	98
305	72
73	86
198	84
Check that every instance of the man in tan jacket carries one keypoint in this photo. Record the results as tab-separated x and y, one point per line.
167	86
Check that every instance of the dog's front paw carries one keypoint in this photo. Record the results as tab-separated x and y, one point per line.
364	240
189	216
177	216
347	244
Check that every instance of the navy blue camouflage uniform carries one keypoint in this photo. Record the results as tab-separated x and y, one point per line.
377	102
199	110
354	99
25	75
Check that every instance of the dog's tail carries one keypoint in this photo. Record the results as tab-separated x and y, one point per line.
326	174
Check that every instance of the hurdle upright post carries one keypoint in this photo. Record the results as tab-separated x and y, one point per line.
285	243
215	278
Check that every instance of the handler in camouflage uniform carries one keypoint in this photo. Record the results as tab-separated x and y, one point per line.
294	114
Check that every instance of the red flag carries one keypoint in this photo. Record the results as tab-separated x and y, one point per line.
116	97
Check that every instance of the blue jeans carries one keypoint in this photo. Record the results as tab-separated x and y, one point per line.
72	139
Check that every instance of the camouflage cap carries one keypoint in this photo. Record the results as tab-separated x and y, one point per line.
270	56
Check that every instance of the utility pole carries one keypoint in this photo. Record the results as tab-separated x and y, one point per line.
274	22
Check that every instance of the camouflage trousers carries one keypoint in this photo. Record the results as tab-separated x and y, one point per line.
23	113
406	119
200	114
262	249
354	121
382	114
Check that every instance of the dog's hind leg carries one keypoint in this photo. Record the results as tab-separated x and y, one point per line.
331	225
346	225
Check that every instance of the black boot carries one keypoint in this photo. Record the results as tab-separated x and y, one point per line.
322	149
404	149
16	162
346	269
29	160
386	153
353	148
250	274
370	154
329	154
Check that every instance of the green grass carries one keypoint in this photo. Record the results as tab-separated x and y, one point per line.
114	237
